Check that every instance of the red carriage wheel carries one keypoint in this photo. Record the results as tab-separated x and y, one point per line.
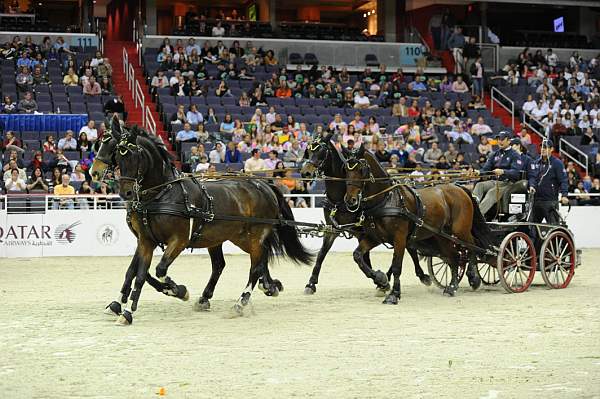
557	259
517	262
440	272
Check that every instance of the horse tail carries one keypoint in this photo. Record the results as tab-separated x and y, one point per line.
479	230
284	239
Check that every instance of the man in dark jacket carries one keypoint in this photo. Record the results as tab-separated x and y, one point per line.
504	163
547	179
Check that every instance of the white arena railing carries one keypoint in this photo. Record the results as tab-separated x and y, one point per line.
137	94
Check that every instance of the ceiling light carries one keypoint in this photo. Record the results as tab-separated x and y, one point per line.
365	15
373	12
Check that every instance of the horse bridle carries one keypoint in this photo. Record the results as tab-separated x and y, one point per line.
360	184
124	148
314	146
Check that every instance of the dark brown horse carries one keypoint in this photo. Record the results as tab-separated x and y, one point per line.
322	158
168	209
445	208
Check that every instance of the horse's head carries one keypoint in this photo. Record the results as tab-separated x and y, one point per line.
358	173
316	154
129	156
105	148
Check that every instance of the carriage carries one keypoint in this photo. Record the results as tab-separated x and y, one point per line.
523	248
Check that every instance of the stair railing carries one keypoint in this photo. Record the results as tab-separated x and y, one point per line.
150	123
140	99
505	102
574	154
137	94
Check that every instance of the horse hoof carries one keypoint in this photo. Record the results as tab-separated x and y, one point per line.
203	305
183	293
391	299
380	279
426	280
310	289
113	309
450	291
237	310
475	283
278	285
381	291
274	291
125	319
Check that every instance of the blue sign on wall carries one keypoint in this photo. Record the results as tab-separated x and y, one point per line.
410	52
84	41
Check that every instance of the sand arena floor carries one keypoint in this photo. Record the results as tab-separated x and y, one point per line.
340	343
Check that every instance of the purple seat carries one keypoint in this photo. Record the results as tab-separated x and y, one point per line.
181	100
95	107
228	101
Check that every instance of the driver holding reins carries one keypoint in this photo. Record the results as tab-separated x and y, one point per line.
505	163
547	178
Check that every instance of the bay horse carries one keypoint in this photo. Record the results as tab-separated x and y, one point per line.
322	158
179	212
403	217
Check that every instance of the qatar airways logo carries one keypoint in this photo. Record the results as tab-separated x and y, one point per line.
37	235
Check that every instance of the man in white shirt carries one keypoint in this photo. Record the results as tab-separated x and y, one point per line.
90	130
218	30
480	127
218	154
192	46
68	143
361	100
175	78
337	122
254	163
15	184
539	111
551	58
529	105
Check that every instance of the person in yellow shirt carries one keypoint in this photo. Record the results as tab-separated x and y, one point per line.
64	189
71	78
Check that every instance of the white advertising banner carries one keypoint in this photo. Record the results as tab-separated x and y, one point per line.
105	233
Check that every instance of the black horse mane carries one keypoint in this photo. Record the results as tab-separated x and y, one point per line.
156	141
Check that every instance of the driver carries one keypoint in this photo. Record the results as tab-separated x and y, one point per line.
505	164
547	178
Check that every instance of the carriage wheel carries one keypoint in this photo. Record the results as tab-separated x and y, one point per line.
517	262
488	273
557	262
440	271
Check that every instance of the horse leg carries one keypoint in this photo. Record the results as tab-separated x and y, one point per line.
258	259
311	287
379	278
116	307
172	251
145	250
399	247
217	261
268	285
414	255
450	253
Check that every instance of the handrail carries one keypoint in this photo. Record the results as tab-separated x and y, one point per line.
140	99
125	63
150	122
511	110
573	158
527	122
131	77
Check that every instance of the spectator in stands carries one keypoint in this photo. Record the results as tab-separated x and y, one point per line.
28	105
223	90
15	184
68	143
270	58
217	155
24	79
232	154
539	111
49	145
83	144
159	81
10	166
228	125
180	116
91	87
254	163
218	30
459	86
272	160
551	58
90	131
361	101
589	137
37	162
456	42
203	164
64	188
382	154
451	154
36	182
71	78
530	104
294	153
477	76
186	134
106	86
400	109
443	163
78	175
372	127
557	130
115	106
9	106
484	147
39	77
357	122
12	143
432	154
480	128
244	100
194	116
283	91
61	46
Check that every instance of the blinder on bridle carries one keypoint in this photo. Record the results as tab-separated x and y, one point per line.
352	164
319	145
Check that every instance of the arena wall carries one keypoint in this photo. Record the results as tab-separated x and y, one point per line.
105	233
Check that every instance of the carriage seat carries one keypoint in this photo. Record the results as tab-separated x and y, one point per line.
519	187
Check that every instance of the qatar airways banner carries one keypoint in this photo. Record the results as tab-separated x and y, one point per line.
105	233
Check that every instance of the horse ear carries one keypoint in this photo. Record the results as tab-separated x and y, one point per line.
115	126
361	151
